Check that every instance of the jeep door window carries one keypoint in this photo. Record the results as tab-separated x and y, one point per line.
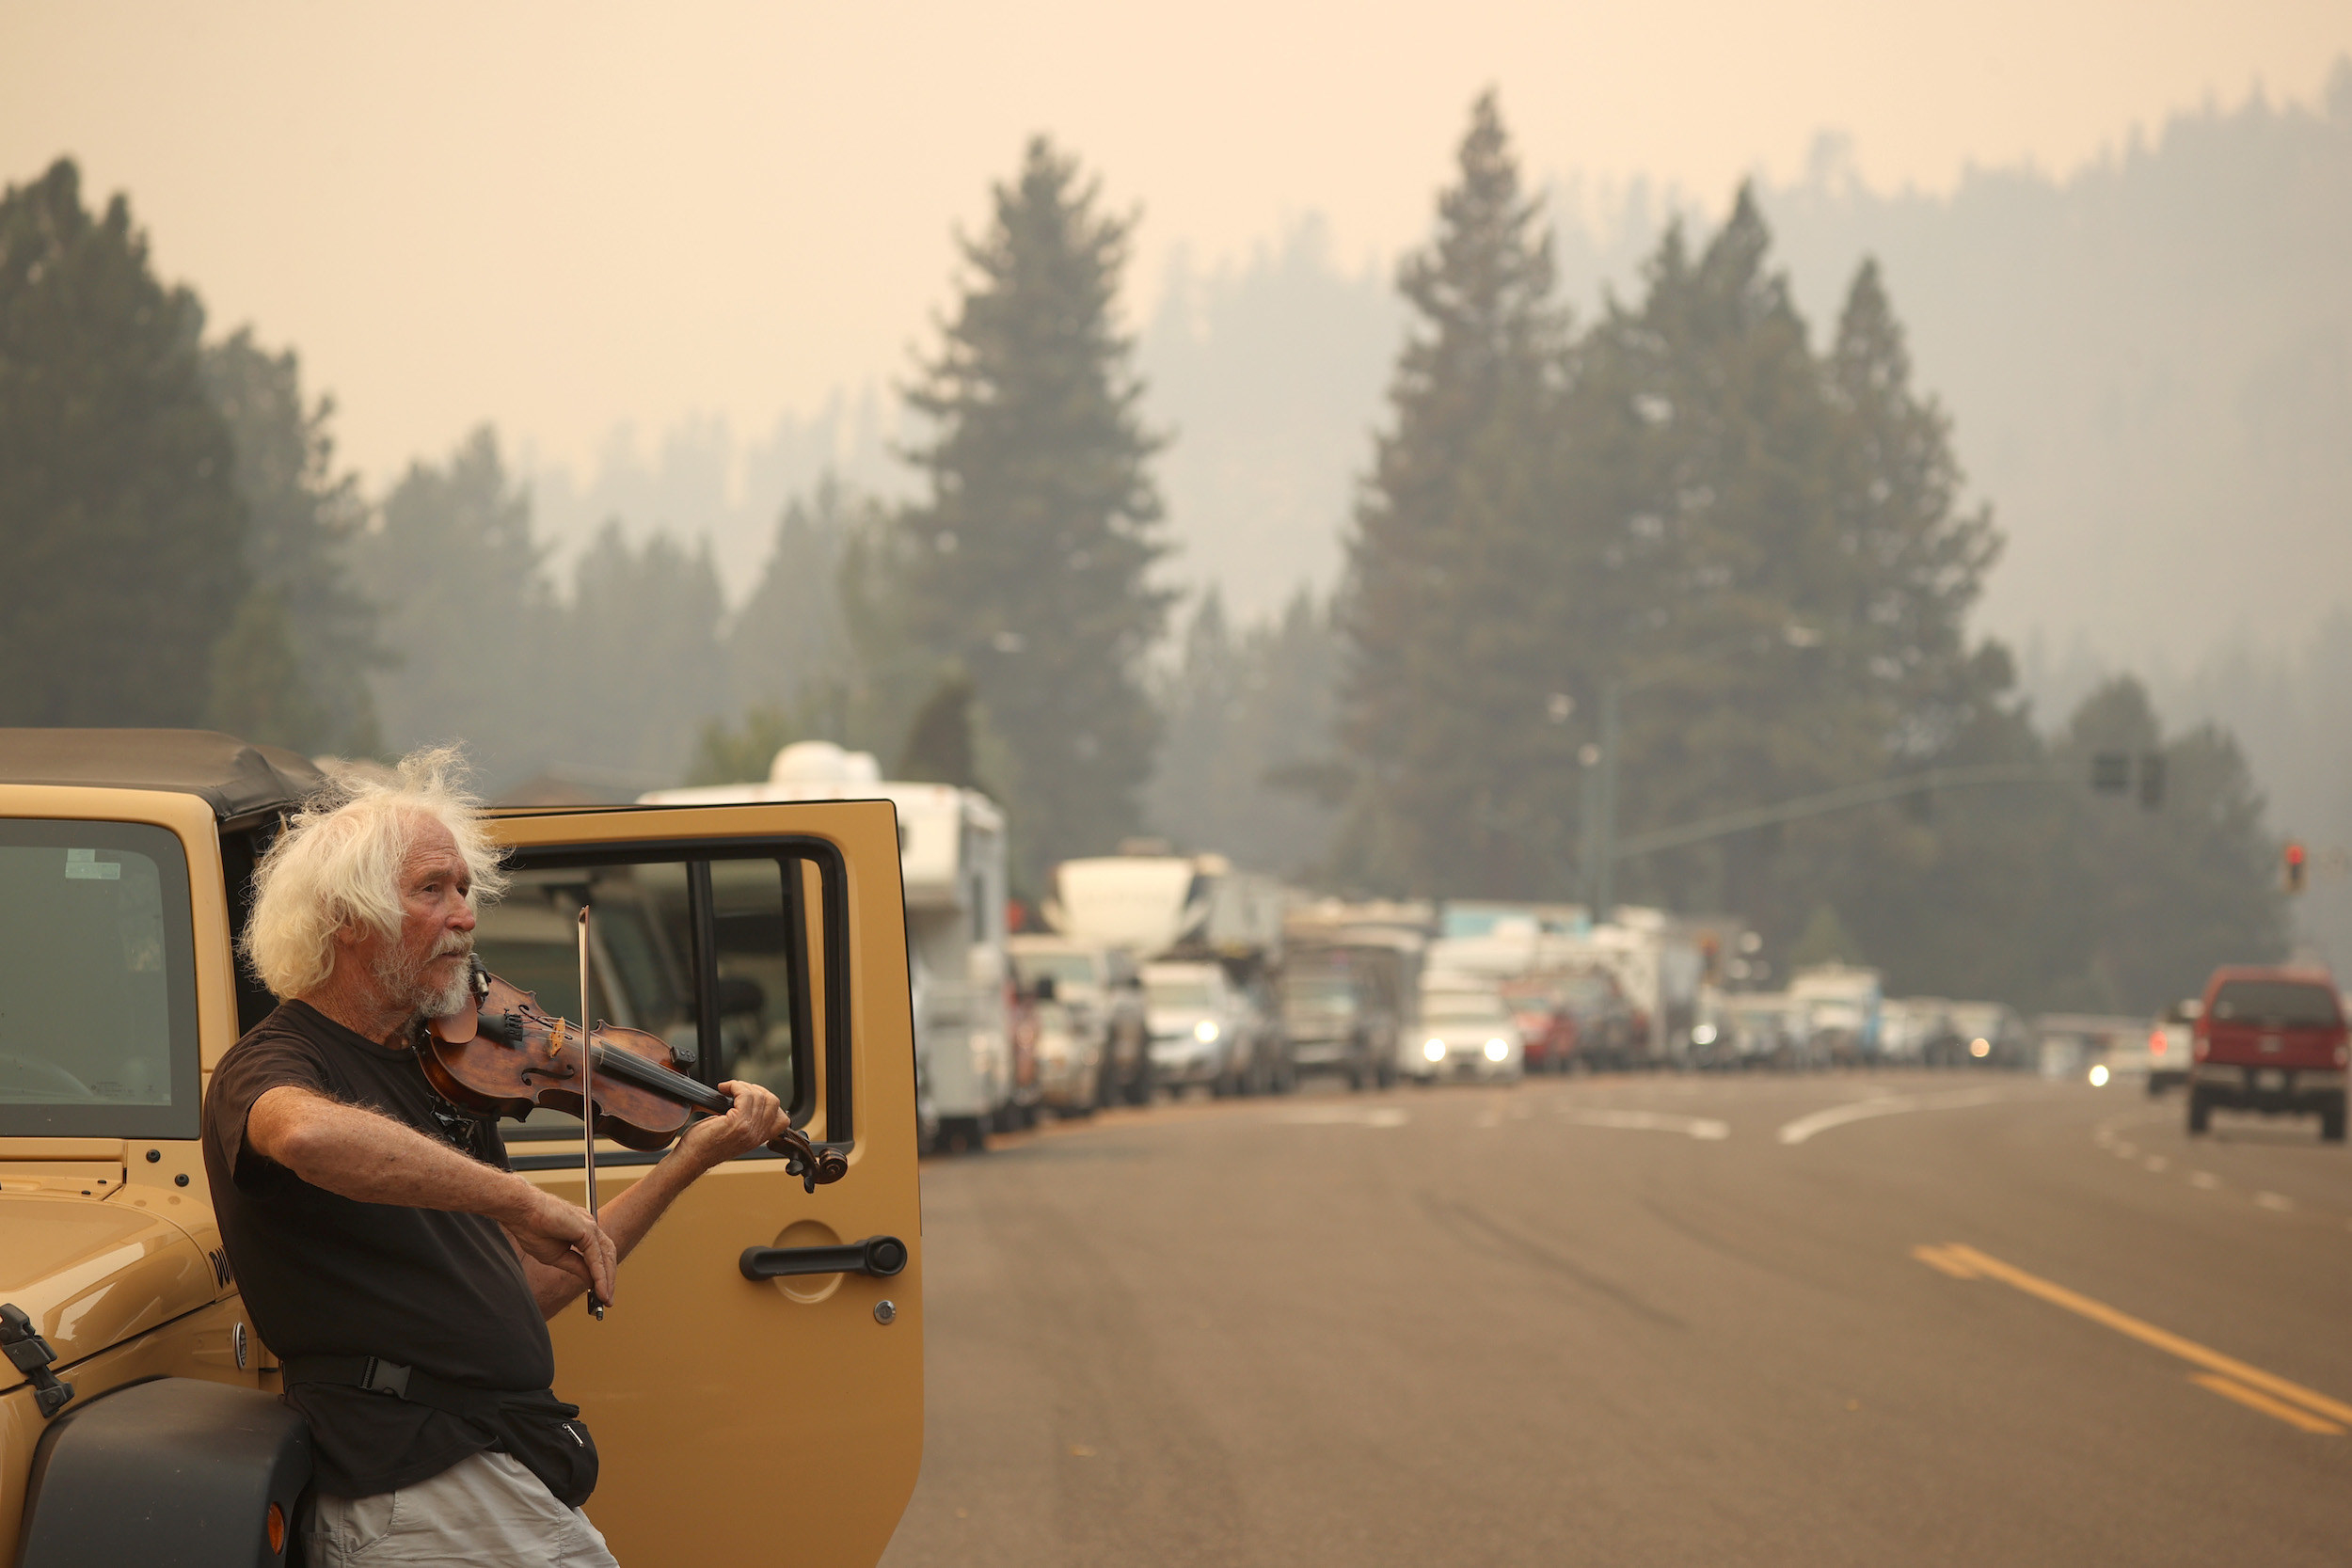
98	1035
755	943
710	955
530	939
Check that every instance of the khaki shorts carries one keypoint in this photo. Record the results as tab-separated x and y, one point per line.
484	1511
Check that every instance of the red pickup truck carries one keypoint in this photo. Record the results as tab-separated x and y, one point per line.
2271	1040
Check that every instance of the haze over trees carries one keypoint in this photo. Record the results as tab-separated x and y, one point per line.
1022	569
1758	544
119	517
1455	604
1759	553
293	667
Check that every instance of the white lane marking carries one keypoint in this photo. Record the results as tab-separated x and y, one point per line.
1804	1128
2272	1200
1704	1128
2157	1162
1344	1116
2204	1179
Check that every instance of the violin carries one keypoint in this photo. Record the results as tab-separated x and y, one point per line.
503	1055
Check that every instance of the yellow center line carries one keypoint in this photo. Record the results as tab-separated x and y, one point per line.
1957	1259
2263	1403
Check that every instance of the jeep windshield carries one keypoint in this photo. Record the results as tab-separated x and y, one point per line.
97	982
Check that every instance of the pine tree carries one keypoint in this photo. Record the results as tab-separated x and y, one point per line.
1451	608
2160	896
119	518
1896	513
788	636
640	666
472	614
1780	573
1705	494
1025	569
258	689
939	748
725	754
310	692
1249	719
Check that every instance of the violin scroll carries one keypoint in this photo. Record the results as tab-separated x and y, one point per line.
807	1162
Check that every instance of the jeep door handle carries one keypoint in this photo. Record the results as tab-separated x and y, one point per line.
879	1255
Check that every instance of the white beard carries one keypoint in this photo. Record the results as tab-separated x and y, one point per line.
449	999
422	997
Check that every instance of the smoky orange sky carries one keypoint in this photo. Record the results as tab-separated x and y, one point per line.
559	217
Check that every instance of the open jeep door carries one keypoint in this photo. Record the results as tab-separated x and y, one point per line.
740	1419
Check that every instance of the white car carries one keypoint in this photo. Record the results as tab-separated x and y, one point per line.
1464	1032
1068	1057
1199	1024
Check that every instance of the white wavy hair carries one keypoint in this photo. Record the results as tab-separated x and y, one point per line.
338	863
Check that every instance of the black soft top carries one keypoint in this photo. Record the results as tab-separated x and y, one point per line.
237	778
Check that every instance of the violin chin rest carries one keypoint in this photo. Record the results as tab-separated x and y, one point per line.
460	1027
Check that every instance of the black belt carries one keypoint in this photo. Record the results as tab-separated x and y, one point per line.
533	1425
379	1376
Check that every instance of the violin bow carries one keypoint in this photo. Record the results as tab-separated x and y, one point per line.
588	1095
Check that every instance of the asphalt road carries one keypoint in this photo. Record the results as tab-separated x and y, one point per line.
1883	1320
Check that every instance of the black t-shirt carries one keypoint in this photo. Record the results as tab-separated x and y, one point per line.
326	1276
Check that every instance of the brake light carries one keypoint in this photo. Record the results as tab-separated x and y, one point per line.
2156	1043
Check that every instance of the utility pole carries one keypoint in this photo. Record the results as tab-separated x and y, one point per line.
1601	847
1601	808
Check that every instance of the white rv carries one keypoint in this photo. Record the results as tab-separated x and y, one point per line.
1657	960
1191	911
952	849
1841	1006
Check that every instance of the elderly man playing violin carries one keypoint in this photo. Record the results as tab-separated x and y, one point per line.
390	1257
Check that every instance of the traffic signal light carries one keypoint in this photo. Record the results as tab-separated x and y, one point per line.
2295	860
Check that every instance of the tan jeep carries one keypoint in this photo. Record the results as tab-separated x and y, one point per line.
756	1391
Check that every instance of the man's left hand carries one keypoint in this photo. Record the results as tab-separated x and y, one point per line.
756	1118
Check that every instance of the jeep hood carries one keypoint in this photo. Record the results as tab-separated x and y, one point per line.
93	1273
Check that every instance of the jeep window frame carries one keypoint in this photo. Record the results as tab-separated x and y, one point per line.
792	854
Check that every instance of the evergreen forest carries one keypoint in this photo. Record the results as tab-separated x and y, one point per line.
1608	573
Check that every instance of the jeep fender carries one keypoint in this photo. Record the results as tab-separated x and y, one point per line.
174	1473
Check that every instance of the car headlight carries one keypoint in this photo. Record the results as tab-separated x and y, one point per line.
1703	1035
1496	1051
2098	1075
1434	1050
1205	1032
